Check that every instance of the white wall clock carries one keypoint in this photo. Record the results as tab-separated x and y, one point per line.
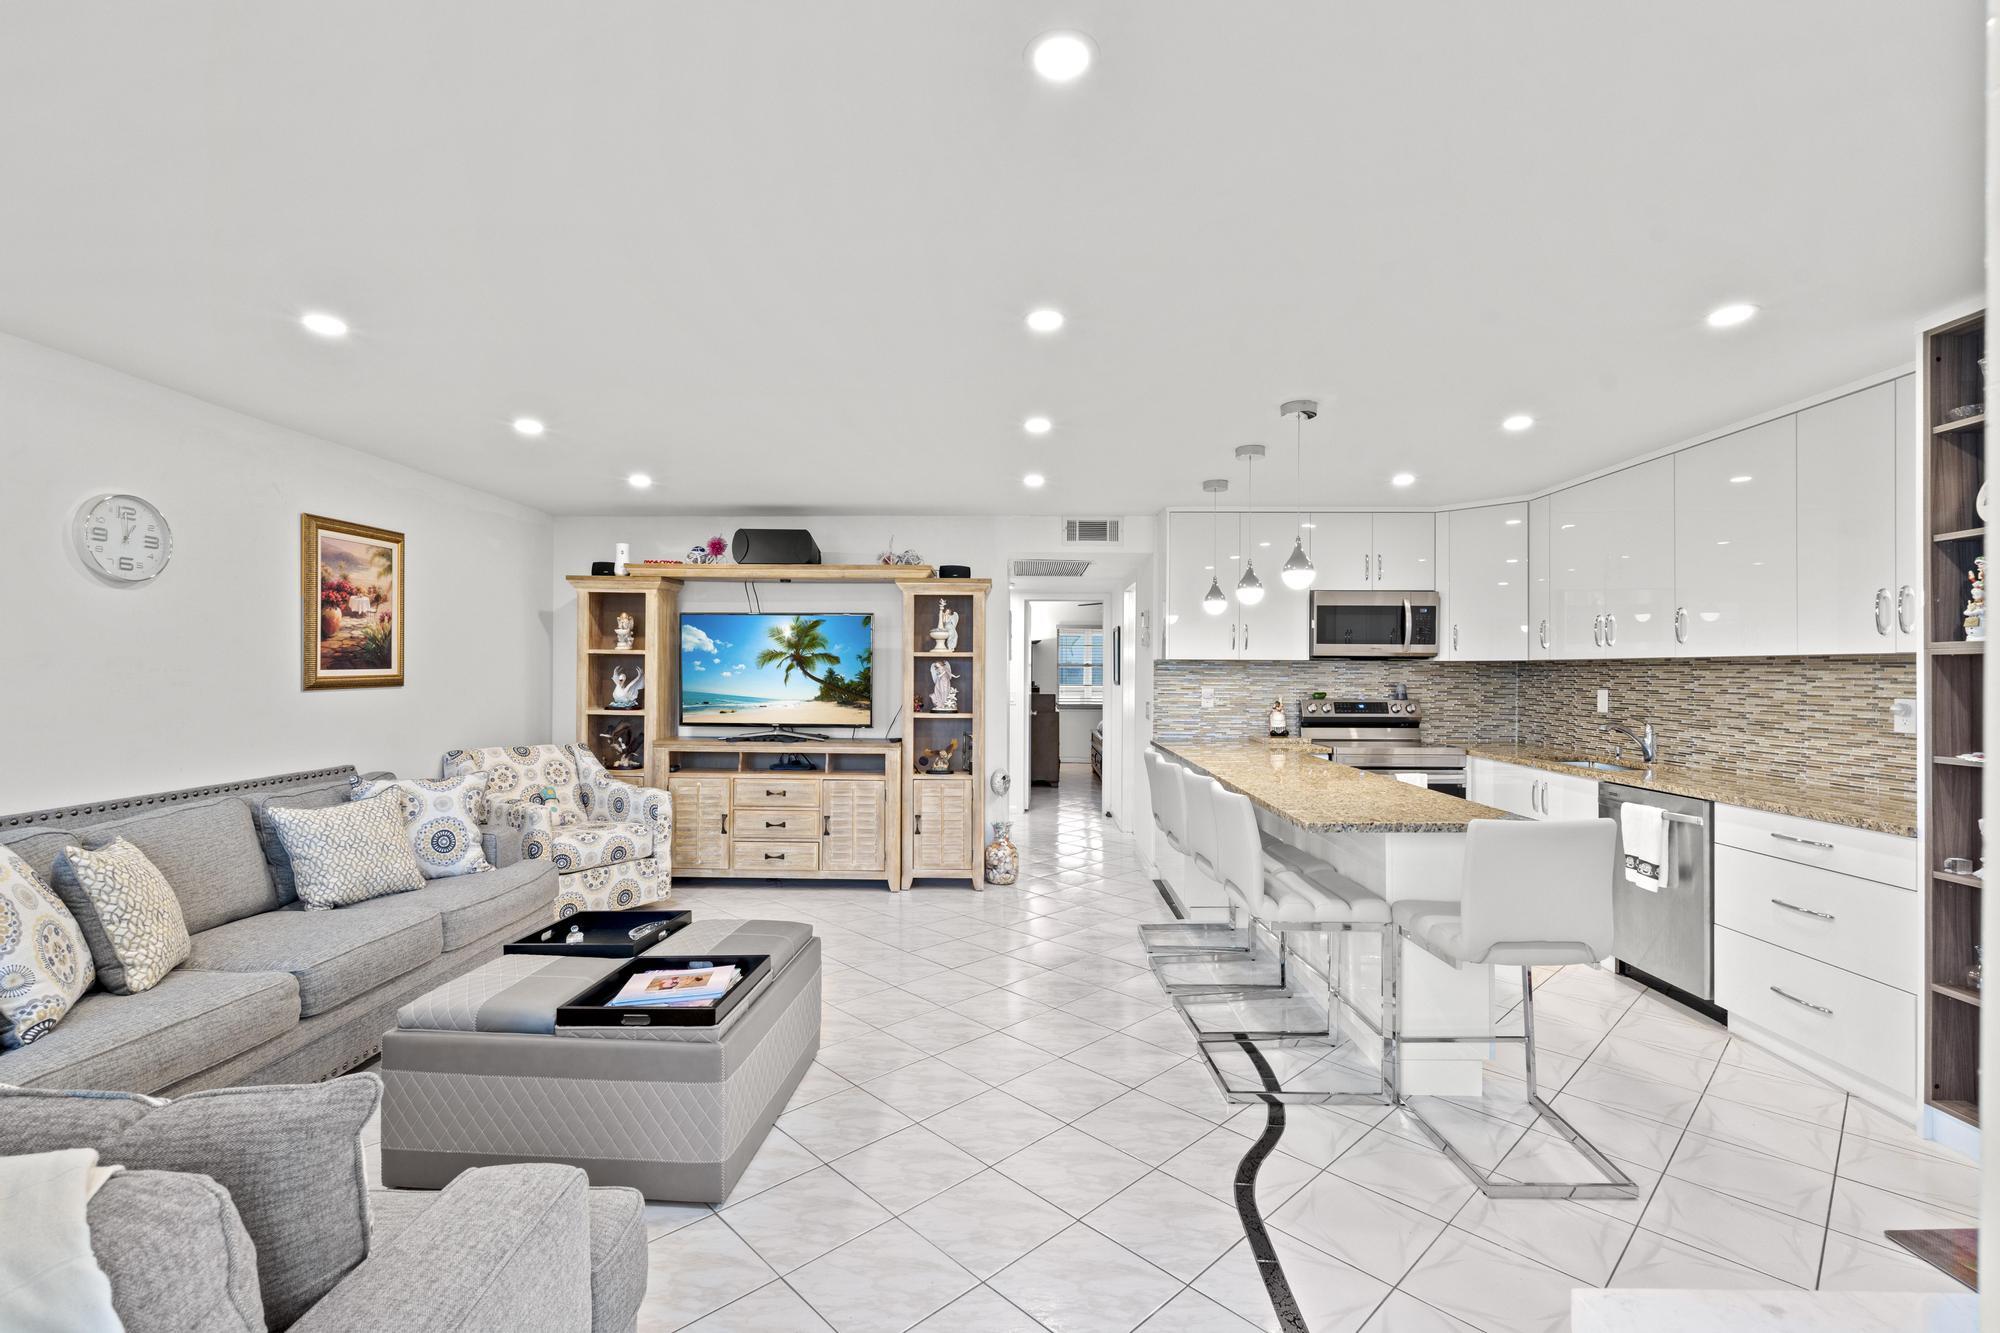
122	538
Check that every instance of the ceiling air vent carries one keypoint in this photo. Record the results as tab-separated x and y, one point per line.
1090	531
1050	569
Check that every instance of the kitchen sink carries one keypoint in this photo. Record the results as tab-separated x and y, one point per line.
1598	765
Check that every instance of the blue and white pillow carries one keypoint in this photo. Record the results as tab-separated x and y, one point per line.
45	965
442	817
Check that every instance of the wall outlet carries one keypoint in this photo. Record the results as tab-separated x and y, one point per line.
1207	697
1903	716
1604	701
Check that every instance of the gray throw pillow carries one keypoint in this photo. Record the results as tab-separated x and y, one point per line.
128	913
349	853
289	1155
176	1252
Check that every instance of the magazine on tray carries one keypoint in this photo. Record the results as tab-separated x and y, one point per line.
677	988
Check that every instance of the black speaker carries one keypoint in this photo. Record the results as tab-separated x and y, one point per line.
954	571
600	568
774	546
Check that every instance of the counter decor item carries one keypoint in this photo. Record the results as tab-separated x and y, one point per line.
1968	410
891	556
625	693
937	761
709	552
621	557
1975	603
1278	727
351	596
622	628
1003	861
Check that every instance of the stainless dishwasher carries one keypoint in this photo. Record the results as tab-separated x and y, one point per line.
1668	936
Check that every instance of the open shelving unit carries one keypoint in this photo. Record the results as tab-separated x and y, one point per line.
653	607
947	811
1952	670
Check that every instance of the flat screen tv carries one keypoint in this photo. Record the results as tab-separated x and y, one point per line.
743	669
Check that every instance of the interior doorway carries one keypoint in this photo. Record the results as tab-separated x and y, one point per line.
1067	666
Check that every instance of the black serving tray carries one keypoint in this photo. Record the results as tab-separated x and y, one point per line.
604	933
587	1008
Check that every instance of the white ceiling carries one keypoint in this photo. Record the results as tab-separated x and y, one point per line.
778	254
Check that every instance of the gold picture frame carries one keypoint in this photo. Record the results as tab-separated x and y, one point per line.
351	580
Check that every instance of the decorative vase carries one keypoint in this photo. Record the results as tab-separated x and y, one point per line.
1003	863
329	621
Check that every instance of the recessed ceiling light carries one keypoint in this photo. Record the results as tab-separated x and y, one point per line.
1729	316
1308	525
1037	425
1034	481
529	426
1503	583
1061	57
1263	543
1045	320
1567	526
1513	560
1520	421
1723	542
1403	479
1738	481
638	481
323	324
1513	522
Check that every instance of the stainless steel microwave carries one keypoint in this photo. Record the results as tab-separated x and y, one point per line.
1374	624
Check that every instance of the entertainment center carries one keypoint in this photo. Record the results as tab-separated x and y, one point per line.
771	802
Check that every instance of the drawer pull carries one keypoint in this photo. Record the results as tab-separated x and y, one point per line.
1803	1004
769	792
1803	842
777	823
774	856
1802	911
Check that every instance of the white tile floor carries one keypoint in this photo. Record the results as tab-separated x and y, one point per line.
1006	1130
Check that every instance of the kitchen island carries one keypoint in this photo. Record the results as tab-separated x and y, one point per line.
1400	841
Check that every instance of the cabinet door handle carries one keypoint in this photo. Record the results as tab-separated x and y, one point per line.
1364	566
1454	638
1246	638
1803	842
1611	631
1544	631
1535	798
1802	911
1882	611
1232	638
826	826
1378	566
917	824
1597	631
1680	624
1906	609
725	821
1803	1004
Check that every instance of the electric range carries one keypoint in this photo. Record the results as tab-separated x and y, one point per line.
1382	736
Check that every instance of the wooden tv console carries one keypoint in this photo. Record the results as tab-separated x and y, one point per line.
739	816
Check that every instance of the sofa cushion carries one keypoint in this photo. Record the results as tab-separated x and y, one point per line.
335	956
582	846
176	1252
471	907
350	853
190	1022
128	912
208	850
289	1156
45	965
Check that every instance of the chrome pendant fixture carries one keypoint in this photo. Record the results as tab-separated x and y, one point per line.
1213	600
1298	572
1250	588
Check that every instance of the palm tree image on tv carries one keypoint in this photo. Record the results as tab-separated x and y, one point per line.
795	670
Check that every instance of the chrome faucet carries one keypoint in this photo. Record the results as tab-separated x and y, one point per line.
1649	748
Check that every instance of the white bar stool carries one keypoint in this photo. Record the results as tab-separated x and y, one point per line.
1167	782
1534	894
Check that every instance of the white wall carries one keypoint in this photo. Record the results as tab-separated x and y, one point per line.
194	677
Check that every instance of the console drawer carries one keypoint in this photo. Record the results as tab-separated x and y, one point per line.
776	789
1856	924
774	857
1845	1019
776	823
1882	857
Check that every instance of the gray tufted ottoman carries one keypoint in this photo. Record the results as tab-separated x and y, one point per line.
476	1073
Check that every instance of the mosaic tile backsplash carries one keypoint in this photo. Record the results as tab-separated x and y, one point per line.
1816	721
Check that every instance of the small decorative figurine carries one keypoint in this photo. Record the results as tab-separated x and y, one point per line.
709	552
944	694
1975	604
575	935
624	626
625	693
948	620
892	556
624	748
1978	966
937	761
1003	862
1278	727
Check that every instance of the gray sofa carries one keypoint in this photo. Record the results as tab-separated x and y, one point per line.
271	993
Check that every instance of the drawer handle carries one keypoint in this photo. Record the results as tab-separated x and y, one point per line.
725	821
774	856
776	823
1803	842
779	792
1802	911
1803	1004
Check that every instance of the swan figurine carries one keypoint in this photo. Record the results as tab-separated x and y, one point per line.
624	693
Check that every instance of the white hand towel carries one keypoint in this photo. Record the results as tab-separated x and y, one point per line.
1643	830
49	1278
1414	779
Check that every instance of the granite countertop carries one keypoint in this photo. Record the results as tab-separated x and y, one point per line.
1287	778
1882	814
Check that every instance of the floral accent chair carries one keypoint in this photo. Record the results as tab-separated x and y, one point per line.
611	842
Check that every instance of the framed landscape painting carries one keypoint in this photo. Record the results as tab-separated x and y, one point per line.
351	599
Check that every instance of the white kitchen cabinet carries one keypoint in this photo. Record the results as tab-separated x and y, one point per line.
1192	546
1202	546
1611	564
1486	604
1736	543
1566	796
1541	634
1343	551
1357	551
1909	522
1405	551
1847	546
1274	630
1504	786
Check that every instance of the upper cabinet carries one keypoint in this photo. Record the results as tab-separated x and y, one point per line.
1202	546
1847	511
1611	564
1736	543
1541	633
1406	551
1194	540
1354	551
1486	604
1275	628
1909	522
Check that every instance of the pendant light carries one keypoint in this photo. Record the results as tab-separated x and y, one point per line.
1250	588
1213	601
1298	572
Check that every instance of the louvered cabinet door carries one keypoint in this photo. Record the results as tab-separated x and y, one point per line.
701	819
943	834
855	811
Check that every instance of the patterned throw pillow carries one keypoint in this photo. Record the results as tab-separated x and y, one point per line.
442	818
44	963
349	853
128	913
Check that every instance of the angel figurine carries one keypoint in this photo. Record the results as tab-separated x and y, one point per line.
944	694
624	693
1975	605
623	627
948	622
